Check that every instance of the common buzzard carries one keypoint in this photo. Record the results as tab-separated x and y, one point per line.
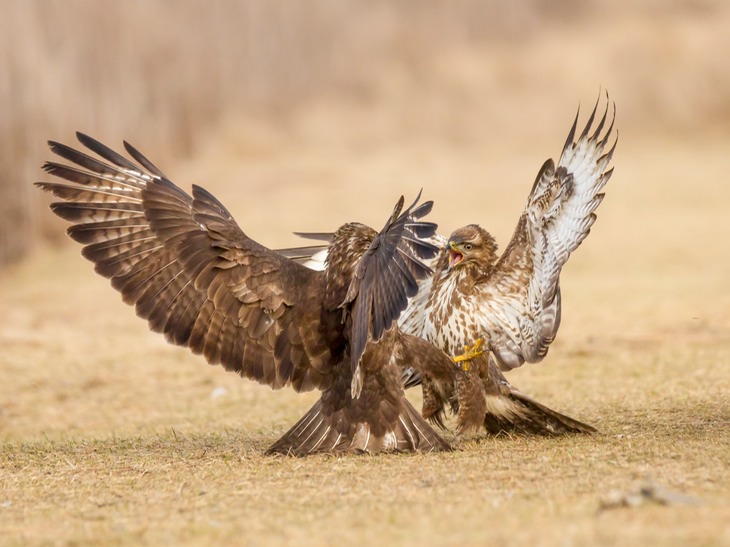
511	302
188	268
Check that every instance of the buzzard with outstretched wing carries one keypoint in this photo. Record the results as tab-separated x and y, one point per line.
188	268
510	302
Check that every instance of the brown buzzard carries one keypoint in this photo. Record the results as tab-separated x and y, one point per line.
510	302
188	268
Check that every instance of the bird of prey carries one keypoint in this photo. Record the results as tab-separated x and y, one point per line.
510	303
196	277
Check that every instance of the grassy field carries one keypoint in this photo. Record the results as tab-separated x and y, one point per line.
108	435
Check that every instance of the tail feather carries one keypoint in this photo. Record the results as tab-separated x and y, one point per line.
317	432
515	412
483	397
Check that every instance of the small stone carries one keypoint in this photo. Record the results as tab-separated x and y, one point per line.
218	392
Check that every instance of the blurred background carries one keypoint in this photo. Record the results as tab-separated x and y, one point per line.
318	104
306	115
303	116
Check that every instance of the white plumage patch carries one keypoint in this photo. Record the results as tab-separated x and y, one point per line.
390	441
317	261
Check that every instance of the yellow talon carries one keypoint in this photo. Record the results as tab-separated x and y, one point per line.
469	353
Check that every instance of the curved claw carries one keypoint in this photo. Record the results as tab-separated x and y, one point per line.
469	353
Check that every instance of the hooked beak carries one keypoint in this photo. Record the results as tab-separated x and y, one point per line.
455	256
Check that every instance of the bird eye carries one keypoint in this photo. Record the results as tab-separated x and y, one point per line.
468	247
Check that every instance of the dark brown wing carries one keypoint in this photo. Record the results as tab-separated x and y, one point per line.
387	276
188	269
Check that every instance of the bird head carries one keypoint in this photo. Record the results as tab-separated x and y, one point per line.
471	244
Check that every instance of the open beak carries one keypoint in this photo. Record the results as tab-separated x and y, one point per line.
455	255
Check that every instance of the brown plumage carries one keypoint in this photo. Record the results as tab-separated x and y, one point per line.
188	268
511	301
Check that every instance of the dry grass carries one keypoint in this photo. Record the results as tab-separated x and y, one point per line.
112	436
109	435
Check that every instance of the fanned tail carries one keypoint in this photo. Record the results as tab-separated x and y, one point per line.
318	432
515	412
483	396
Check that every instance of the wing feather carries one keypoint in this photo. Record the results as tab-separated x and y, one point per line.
386	277
188	268
521	294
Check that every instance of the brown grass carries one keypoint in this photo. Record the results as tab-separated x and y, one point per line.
112	436
109	435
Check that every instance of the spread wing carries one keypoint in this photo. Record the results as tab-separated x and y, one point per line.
188	269
411	320
387	276
519	299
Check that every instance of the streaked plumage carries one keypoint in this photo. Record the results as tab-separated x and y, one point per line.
511	301
188	268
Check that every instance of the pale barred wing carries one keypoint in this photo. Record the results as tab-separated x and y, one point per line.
519	301
188	269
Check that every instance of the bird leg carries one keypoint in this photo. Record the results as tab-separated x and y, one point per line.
463	360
